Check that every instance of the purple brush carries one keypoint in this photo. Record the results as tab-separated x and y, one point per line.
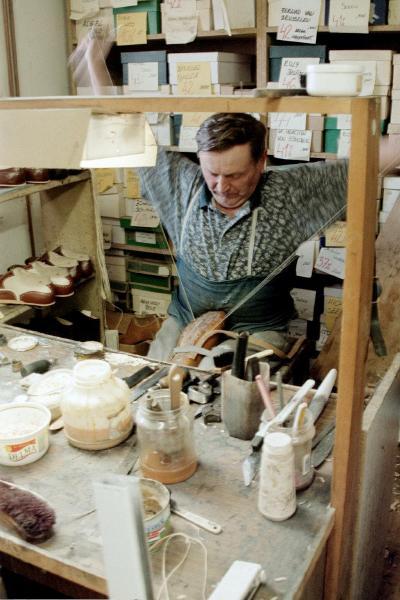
27	512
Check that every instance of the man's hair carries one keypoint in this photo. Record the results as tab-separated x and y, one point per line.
222	131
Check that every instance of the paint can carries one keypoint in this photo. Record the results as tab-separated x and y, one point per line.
156	509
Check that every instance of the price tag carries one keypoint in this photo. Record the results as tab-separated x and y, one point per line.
299	21
349	17
194	78
331	261
292	68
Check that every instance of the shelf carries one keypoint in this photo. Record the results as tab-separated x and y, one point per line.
371	29
11	193
165	252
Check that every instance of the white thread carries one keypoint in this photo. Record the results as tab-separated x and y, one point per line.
165	578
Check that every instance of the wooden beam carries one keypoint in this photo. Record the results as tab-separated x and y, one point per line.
261	44
273	102
361	220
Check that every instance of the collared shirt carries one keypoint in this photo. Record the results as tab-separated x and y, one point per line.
293	204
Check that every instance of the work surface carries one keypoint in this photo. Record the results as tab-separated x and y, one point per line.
288	551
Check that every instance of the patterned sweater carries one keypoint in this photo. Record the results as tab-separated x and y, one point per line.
294	202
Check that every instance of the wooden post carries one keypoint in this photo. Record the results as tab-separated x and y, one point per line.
261	41
361	219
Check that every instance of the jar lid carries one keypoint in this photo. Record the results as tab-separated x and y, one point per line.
335	68
91	372
278	443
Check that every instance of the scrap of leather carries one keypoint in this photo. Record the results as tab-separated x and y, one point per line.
202	332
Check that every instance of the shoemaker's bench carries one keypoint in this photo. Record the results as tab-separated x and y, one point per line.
292	552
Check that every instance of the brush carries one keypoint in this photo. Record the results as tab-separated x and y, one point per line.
27	512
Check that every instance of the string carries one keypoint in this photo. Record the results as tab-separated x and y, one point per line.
166	578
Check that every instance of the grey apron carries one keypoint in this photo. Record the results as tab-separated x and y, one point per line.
269	309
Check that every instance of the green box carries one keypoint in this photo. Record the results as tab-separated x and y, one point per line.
156	283
145	239
331	140
151	7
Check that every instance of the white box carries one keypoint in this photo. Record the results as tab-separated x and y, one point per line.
116	268
391	182
117	232
226	67
111	205
396	76
389	199
241	14
395	112
383	216
393	128
146	302
351	55
383	68
394	12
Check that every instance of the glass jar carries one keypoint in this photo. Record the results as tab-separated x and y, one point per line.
96	407
165	438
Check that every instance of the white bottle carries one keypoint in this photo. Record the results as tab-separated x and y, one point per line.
277	493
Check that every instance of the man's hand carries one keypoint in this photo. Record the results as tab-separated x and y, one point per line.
88	62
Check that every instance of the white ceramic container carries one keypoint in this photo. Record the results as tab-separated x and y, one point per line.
24	436
334	79
96	407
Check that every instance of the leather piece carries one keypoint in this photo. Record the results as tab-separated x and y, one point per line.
37	175
12	177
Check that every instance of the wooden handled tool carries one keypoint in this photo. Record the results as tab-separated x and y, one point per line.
175	379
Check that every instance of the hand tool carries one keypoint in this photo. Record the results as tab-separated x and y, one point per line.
195	519
148	383
240	355
321	396
38	366
139	375
323	449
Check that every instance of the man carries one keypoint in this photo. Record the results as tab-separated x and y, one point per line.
232	224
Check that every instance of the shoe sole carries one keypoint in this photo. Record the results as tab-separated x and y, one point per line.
3	301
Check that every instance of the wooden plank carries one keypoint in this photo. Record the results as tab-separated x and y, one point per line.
379	440
261	44
12	193
355	332
128	104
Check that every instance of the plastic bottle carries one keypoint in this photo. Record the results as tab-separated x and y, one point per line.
277	493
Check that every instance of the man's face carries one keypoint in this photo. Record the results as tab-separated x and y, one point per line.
231	176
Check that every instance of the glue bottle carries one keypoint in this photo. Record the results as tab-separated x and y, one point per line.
277	493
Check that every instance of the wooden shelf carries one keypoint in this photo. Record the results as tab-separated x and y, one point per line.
163	251
11	193
371	29
237	33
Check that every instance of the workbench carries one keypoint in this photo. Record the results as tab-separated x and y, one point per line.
291	552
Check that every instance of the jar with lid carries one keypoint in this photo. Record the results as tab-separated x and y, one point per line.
277	493
96	407
165	438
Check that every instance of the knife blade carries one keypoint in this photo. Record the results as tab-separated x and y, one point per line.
323	449
139	390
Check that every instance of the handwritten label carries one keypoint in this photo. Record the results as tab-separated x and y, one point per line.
323	336
344	143
287	120
291	144
194	78
145	238
304	301
297	327
305	262
143	215
143	76
131	184
331	261
179	21
368	77
82	9
101	24
332	309
104	179
147	305
299	23
131	28
292	68
335	235
349	16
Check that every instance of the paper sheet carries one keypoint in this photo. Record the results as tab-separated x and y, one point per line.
194	78
335	235
143	76
299	21
180	21
287	120
82	9
291	144
131	184
144	215
305	263
131	28
104	180
304	301
349	17
292	68
331	261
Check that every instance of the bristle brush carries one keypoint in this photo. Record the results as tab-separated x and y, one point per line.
26	511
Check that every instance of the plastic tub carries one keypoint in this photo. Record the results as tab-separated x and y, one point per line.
334	79
24	434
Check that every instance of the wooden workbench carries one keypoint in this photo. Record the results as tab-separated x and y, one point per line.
292	552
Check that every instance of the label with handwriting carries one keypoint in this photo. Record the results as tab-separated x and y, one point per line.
291	144
194	78
349	16
299	21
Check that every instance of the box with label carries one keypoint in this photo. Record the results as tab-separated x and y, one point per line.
316	140
383	58
204	16
148	302
111	205
226	67
150	266
396	72
151	7
145	239
113	232
151	281
140	58
116	268
277	53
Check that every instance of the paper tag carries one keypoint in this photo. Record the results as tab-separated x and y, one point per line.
297	327
287	120
305	262
102	24
152	307
144	216
299	21
293	145
82	9
107	236
323	336
131	28
131	184
145	238
292	68
180	22
104	179
304	301
344	144
331	261
343	121
349	17
194	78
143	76
335	235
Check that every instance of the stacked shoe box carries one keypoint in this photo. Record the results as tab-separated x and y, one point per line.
313	123
391	193
377	72
151	8
337	133
205	73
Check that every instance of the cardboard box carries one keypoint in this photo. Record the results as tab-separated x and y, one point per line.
156	56
116	268
151	7
396	75
111	205
355	55
226	67
276	53
150	302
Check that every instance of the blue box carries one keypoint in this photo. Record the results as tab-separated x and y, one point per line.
158	56
276	53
